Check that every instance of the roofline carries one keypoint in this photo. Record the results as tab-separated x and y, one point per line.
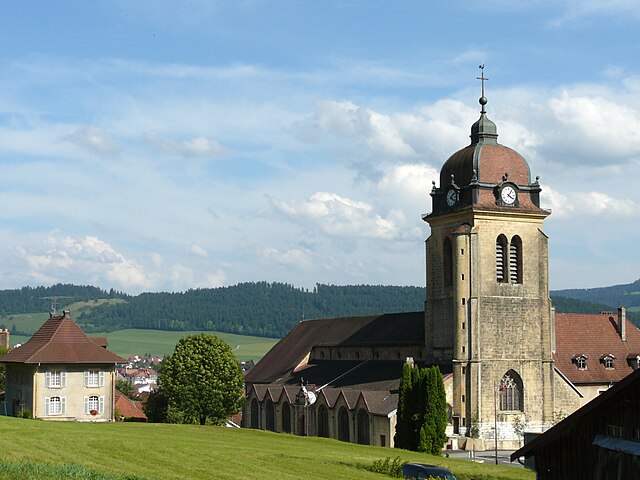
571	384
585	410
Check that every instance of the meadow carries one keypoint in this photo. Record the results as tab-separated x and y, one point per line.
163	451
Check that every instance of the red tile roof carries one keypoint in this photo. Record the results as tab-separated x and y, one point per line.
595	336
128	408
60	340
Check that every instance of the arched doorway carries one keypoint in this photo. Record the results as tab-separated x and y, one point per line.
286	418
270	412
363	427
255	416
343	424
323	421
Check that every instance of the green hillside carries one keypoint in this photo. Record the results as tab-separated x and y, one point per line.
163	451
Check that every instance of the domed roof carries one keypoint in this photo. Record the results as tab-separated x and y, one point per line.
485	160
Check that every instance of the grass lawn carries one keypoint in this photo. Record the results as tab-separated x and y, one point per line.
161	451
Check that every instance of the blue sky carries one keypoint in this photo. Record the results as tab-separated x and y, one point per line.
157	145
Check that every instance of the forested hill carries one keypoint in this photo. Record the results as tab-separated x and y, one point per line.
40	299
261	309
627	295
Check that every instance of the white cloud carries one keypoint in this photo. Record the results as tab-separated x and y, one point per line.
93	139
198	251
88	256
199	146
340	216
295	257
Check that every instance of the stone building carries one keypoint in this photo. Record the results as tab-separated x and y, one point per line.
61	374
509	361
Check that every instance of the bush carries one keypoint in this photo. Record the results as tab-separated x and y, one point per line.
25	413
392	468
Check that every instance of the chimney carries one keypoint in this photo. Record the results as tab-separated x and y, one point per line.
622	323
4	338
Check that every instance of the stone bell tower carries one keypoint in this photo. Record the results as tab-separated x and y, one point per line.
488	311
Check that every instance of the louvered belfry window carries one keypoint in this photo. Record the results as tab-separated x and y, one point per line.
501	260
515	260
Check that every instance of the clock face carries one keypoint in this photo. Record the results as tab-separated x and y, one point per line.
508	195
452	197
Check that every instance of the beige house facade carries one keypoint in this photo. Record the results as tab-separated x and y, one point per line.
60	374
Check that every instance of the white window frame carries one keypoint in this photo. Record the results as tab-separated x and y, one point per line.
55	406
90	404
55	379
94	378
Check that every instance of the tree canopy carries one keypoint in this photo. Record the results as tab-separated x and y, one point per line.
201	380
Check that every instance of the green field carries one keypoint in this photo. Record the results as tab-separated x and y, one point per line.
162	451
160	342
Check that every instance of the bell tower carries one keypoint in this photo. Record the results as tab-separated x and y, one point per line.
488	311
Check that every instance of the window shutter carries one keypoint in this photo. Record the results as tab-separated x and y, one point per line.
47	379
86	405
101	378
46	405
63	405
86	378
63	378
101	405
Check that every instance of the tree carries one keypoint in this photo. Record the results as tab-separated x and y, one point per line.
202	380
422	410
127	389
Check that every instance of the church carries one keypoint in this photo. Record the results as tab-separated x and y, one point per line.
510	363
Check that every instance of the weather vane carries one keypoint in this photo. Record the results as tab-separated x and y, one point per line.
483	99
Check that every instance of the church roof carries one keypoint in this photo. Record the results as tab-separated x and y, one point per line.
60	340
370	330
595	336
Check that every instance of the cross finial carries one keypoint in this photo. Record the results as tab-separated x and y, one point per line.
483	99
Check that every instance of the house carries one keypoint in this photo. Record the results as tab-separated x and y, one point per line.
489	324
61	374
128	410
599	441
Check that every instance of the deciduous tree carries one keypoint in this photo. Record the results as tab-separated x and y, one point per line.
202	380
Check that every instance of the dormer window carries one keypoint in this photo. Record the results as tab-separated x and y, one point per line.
607	361
580	361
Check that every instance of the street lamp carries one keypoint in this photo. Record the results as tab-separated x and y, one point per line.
501	388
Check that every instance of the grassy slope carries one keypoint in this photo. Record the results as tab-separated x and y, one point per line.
159	342
156	342
185	451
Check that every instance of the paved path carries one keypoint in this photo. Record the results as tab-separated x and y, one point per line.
485	457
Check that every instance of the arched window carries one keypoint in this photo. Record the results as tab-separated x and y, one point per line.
501	259
254	414
447	262
363	427
323	421
343	424
511	392
270	412
608	361
286	418
515	260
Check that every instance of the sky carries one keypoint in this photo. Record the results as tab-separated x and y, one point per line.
164	146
